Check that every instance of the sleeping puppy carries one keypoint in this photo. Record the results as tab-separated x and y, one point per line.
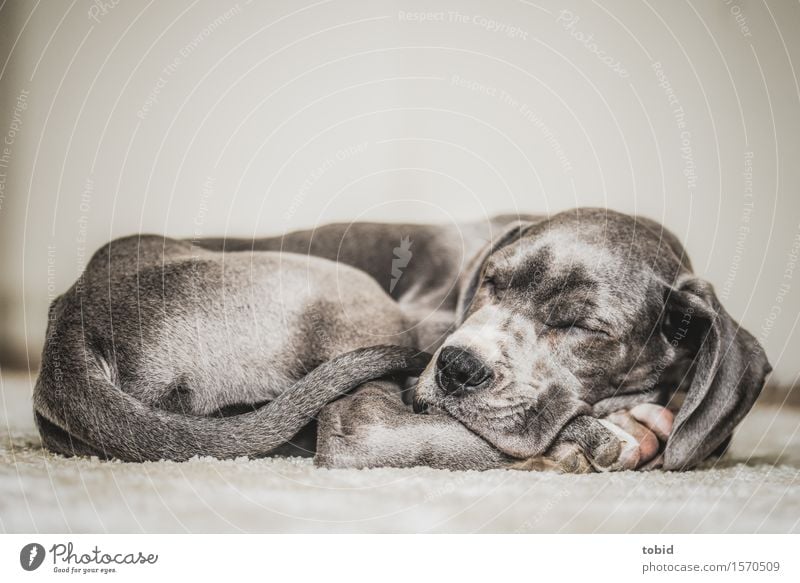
556	344
562	322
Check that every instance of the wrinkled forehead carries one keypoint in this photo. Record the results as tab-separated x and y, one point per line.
557	266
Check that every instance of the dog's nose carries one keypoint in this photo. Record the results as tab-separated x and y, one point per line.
458	369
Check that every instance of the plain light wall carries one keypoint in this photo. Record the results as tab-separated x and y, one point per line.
201	118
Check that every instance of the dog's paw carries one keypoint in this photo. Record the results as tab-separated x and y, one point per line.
563	458
624	440
619	451
585	445
338	440
331	436
351	430
646	429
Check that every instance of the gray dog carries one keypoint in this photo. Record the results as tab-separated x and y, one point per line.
558	342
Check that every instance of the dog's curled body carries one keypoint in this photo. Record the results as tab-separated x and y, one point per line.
159	335
546	333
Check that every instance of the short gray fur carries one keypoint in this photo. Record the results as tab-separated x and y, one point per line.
160	340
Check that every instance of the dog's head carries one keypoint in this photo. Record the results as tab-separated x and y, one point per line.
584	313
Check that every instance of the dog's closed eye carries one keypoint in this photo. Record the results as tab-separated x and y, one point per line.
575	327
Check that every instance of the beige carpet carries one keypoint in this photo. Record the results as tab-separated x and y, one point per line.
756	488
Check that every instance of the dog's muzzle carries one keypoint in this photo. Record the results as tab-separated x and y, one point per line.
458	371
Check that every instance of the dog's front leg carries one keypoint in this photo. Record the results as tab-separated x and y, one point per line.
373	428
628	439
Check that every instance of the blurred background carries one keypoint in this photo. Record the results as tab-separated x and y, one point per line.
204	118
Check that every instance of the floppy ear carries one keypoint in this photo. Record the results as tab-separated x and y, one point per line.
729	370
471	279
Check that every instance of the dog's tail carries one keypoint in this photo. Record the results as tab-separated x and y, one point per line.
81	411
